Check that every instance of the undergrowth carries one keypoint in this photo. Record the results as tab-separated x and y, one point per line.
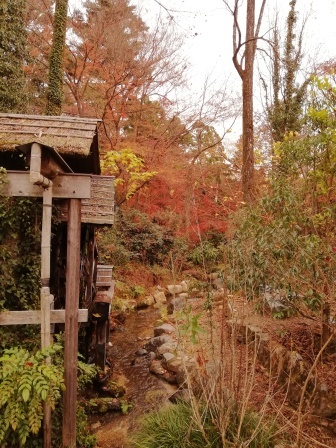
176	427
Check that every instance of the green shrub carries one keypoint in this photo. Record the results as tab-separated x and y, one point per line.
278	243
173	427
206	254
135	236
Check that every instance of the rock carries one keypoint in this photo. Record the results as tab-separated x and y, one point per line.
166	357
189	368
141	352
113	389
102	405
174	289
184	285
180	395
145	302
156	367
160	297
174	365
182	295
154	343
169	377
168	347
164	329
177	304
151	356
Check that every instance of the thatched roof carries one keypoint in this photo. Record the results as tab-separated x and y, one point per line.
68	135
75	138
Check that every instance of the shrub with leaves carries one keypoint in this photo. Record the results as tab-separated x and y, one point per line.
26	382
135	237
206	254
280	243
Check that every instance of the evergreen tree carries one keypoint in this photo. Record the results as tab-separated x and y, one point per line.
12	55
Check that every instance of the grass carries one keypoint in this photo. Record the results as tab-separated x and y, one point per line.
175	427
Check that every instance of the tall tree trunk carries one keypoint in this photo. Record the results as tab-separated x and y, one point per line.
248	186
244	64
55	88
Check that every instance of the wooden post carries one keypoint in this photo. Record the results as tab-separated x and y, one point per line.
45	299
71	323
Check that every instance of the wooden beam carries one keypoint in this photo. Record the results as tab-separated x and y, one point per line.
66	186
60	118
34	317
71	323
33	132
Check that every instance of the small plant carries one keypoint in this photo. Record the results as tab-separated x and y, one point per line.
125	407
163	314
137	291
189	325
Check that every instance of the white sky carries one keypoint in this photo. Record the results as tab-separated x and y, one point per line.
211	48
207	26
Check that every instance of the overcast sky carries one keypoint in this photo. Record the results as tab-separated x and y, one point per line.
207	27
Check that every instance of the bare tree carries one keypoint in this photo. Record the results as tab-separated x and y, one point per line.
244	51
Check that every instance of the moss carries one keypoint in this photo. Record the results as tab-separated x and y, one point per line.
55	88
12	55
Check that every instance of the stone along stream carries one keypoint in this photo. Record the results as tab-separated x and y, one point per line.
144	391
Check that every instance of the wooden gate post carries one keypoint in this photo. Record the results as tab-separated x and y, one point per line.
71	323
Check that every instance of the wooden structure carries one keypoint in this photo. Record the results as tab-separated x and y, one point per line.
101	311
57	158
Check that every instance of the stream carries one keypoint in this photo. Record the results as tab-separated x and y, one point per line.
144	390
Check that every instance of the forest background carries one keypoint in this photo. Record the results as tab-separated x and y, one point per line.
179	184
182	198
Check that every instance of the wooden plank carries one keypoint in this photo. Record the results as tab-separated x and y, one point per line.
66	186
71	324
52	118
34	317
46	125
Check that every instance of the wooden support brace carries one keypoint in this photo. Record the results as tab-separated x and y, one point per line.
34	317
64	186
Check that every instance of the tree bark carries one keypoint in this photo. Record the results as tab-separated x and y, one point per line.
244	68
248	186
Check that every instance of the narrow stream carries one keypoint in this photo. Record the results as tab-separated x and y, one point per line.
144	390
